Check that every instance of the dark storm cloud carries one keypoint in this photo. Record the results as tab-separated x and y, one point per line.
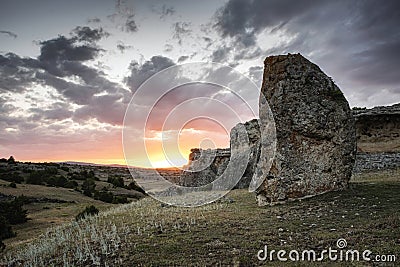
357	42
221	54
11	34
5	106
60	65
89	35
141	72
16	72
58	111
106	108
243	19
64	49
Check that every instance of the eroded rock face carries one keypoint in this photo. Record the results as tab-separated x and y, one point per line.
253	134
316	140
378	129
205	166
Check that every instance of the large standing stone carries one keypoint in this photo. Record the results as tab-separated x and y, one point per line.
316	140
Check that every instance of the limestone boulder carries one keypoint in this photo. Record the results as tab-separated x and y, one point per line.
315	132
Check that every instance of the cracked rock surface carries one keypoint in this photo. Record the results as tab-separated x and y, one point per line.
316	139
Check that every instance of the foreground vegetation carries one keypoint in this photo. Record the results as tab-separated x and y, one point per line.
48	194
228	232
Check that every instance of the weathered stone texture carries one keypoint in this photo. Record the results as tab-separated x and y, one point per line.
378	129
253	134
316	140
205	166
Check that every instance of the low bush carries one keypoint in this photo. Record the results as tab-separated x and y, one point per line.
88	211
104	196
116	181
13	211
134	186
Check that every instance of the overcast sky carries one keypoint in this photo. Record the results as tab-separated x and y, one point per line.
69	68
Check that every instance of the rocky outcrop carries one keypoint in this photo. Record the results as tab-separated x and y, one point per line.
378	129
205	166
315	132
253	134
376	161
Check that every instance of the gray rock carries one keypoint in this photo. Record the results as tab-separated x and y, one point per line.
378	129
376	161
316	140
205	166
253	134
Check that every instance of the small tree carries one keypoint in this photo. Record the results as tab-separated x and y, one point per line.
116	181
11	160
133	186
35	177
88	187
13	211
5	231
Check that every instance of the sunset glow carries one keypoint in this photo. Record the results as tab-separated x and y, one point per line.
67	79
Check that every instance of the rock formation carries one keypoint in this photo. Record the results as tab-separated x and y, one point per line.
316	140
378	129
253	134
205	166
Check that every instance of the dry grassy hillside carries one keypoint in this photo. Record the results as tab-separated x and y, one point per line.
228	232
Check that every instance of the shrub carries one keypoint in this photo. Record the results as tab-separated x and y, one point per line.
11	160
35	177
52	170
116	181
65	168
12	177
13	211
88	211
104	196
134	186
71	184
13	185
83	175
60	181
120	200
88	187
5	231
